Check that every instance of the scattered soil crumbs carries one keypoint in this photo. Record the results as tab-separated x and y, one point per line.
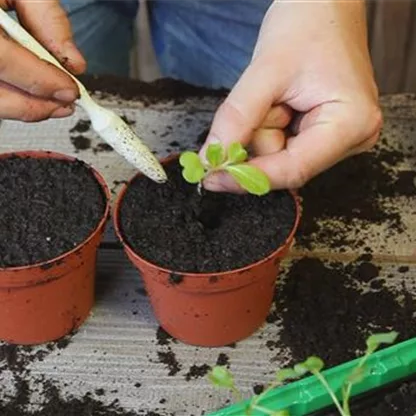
163	338
197	371
197	230
17	359
128	121
258	389
102	147
57	405
169	359
353	195
47	208
80	142
328	309
82	126
159	91
223	359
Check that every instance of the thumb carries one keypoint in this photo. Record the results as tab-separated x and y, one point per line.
47	21
246	106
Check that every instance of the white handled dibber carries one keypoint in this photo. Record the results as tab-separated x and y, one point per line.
108	125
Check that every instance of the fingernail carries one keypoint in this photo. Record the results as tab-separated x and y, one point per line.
72	57
70	49
212	139
63	111
66	95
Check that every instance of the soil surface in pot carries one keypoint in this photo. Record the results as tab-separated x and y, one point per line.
47	206
175	227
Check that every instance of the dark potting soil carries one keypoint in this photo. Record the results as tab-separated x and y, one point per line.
223	359
47	208
17	360
80	142
175	227
102	147
58	405
329	309
161	90
197	371
82	126
354	192
169	359
393	401
163	338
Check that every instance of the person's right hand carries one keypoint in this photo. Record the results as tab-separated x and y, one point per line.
32	89
311	66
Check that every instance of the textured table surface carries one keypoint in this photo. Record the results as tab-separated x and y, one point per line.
117	354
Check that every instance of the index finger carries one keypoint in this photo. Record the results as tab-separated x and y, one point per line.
22	69
47	21
305	156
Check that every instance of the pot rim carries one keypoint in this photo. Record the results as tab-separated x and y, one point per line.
273	254
47	154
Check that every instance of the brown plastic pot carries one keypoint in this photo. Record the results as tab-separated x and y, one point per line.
43	302
209	309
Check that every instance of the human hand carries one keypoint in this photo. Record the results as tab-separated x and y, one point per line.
32	89
311	57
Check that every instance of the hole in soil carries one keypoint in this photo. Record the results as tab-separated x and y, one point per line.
210	220
211	206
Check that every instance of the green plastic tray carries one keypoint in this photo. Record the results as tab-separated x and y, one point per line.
306	396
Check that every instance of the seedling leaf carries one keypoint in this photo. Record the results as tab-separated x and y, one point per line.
356	376
280	413
193	175
374	341
220	376
193	170
300	369
215	154
286	374
311	365
190	160
236	153
250	178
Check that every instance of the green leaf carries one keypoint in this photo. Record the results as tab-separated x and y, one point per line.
311	365
286	374
250	178
300	369
189	159
356	376
193	170
236	153
374	341
220	376
193	175
215	154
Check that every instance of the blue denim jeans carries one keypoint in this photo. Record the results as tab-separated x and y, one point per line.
203	42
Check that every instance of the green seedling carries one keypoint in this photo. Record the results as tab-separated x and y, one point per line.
223	378
232	160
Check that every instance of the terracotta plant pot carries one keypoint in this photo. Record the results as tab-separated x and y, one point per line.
209	309
46	301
